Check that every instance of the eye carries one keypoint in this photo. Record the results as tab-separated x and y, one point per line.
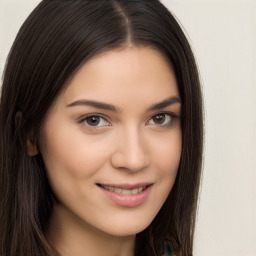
95	121
161	119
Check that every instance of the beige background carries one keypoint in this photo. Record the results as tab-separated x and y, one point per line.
223	35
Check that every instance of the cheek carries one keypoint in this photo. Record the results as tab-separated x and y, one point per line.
71	153
70	162
166	159
167	153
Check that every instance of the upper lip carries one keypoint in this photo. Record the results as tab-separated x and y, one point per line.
126	185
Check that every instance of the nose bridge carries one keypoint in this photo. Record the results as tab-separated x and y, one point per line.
131	150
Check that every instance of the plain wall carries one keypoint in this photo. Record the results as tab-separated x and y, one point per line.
222	33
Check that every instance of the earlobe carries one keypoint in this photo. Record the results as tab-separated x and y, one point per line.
32	149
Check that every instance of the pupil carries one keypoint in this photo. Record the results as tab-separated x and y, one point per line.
159	119
93	120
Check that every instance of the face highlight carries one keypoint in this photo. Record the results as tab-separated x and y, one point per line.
112	143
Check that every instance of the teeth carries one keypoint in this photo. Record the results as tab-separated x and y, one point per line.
126	192
141	188
122	191
118	190
135	191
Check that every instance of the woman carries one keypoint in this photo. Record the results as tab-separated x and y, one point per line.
101	132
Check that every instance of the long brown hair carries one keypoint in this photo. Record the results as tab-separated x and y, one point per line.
55	40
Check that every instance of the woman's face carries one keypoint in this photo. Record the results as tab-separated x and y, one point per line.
112	142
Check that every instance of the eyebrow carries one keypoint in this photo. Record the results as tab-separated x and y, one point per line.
101	105
96	104
165	103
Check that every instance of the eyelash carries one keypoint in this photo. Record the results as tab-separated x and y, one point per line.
84	120
169	115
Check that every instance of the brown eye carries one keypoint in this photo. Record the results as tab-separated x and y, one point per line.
95	121
161	119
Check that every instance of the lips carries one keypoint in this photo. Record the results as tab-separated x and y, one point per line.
126	194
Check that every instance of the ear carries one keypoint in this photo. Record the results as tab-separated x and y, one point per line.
32	149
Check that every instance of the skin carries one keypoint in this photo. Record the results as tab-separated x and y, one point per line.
124	144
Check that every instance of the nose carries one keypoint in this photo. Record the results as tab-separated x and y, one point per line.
131	151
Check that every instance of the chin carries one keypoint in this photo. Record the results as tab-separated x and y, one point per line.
127	228
127	231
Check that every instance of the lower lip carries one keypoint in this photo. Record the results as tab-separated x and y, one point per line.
128	200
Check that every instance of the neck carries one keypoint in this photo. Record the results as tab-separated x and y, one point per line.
70	235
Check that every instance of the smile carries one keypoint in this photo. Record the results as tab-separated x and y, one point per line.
123	191
127	195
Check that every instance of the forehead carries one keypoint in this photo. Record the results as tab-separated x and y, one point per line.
125	73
